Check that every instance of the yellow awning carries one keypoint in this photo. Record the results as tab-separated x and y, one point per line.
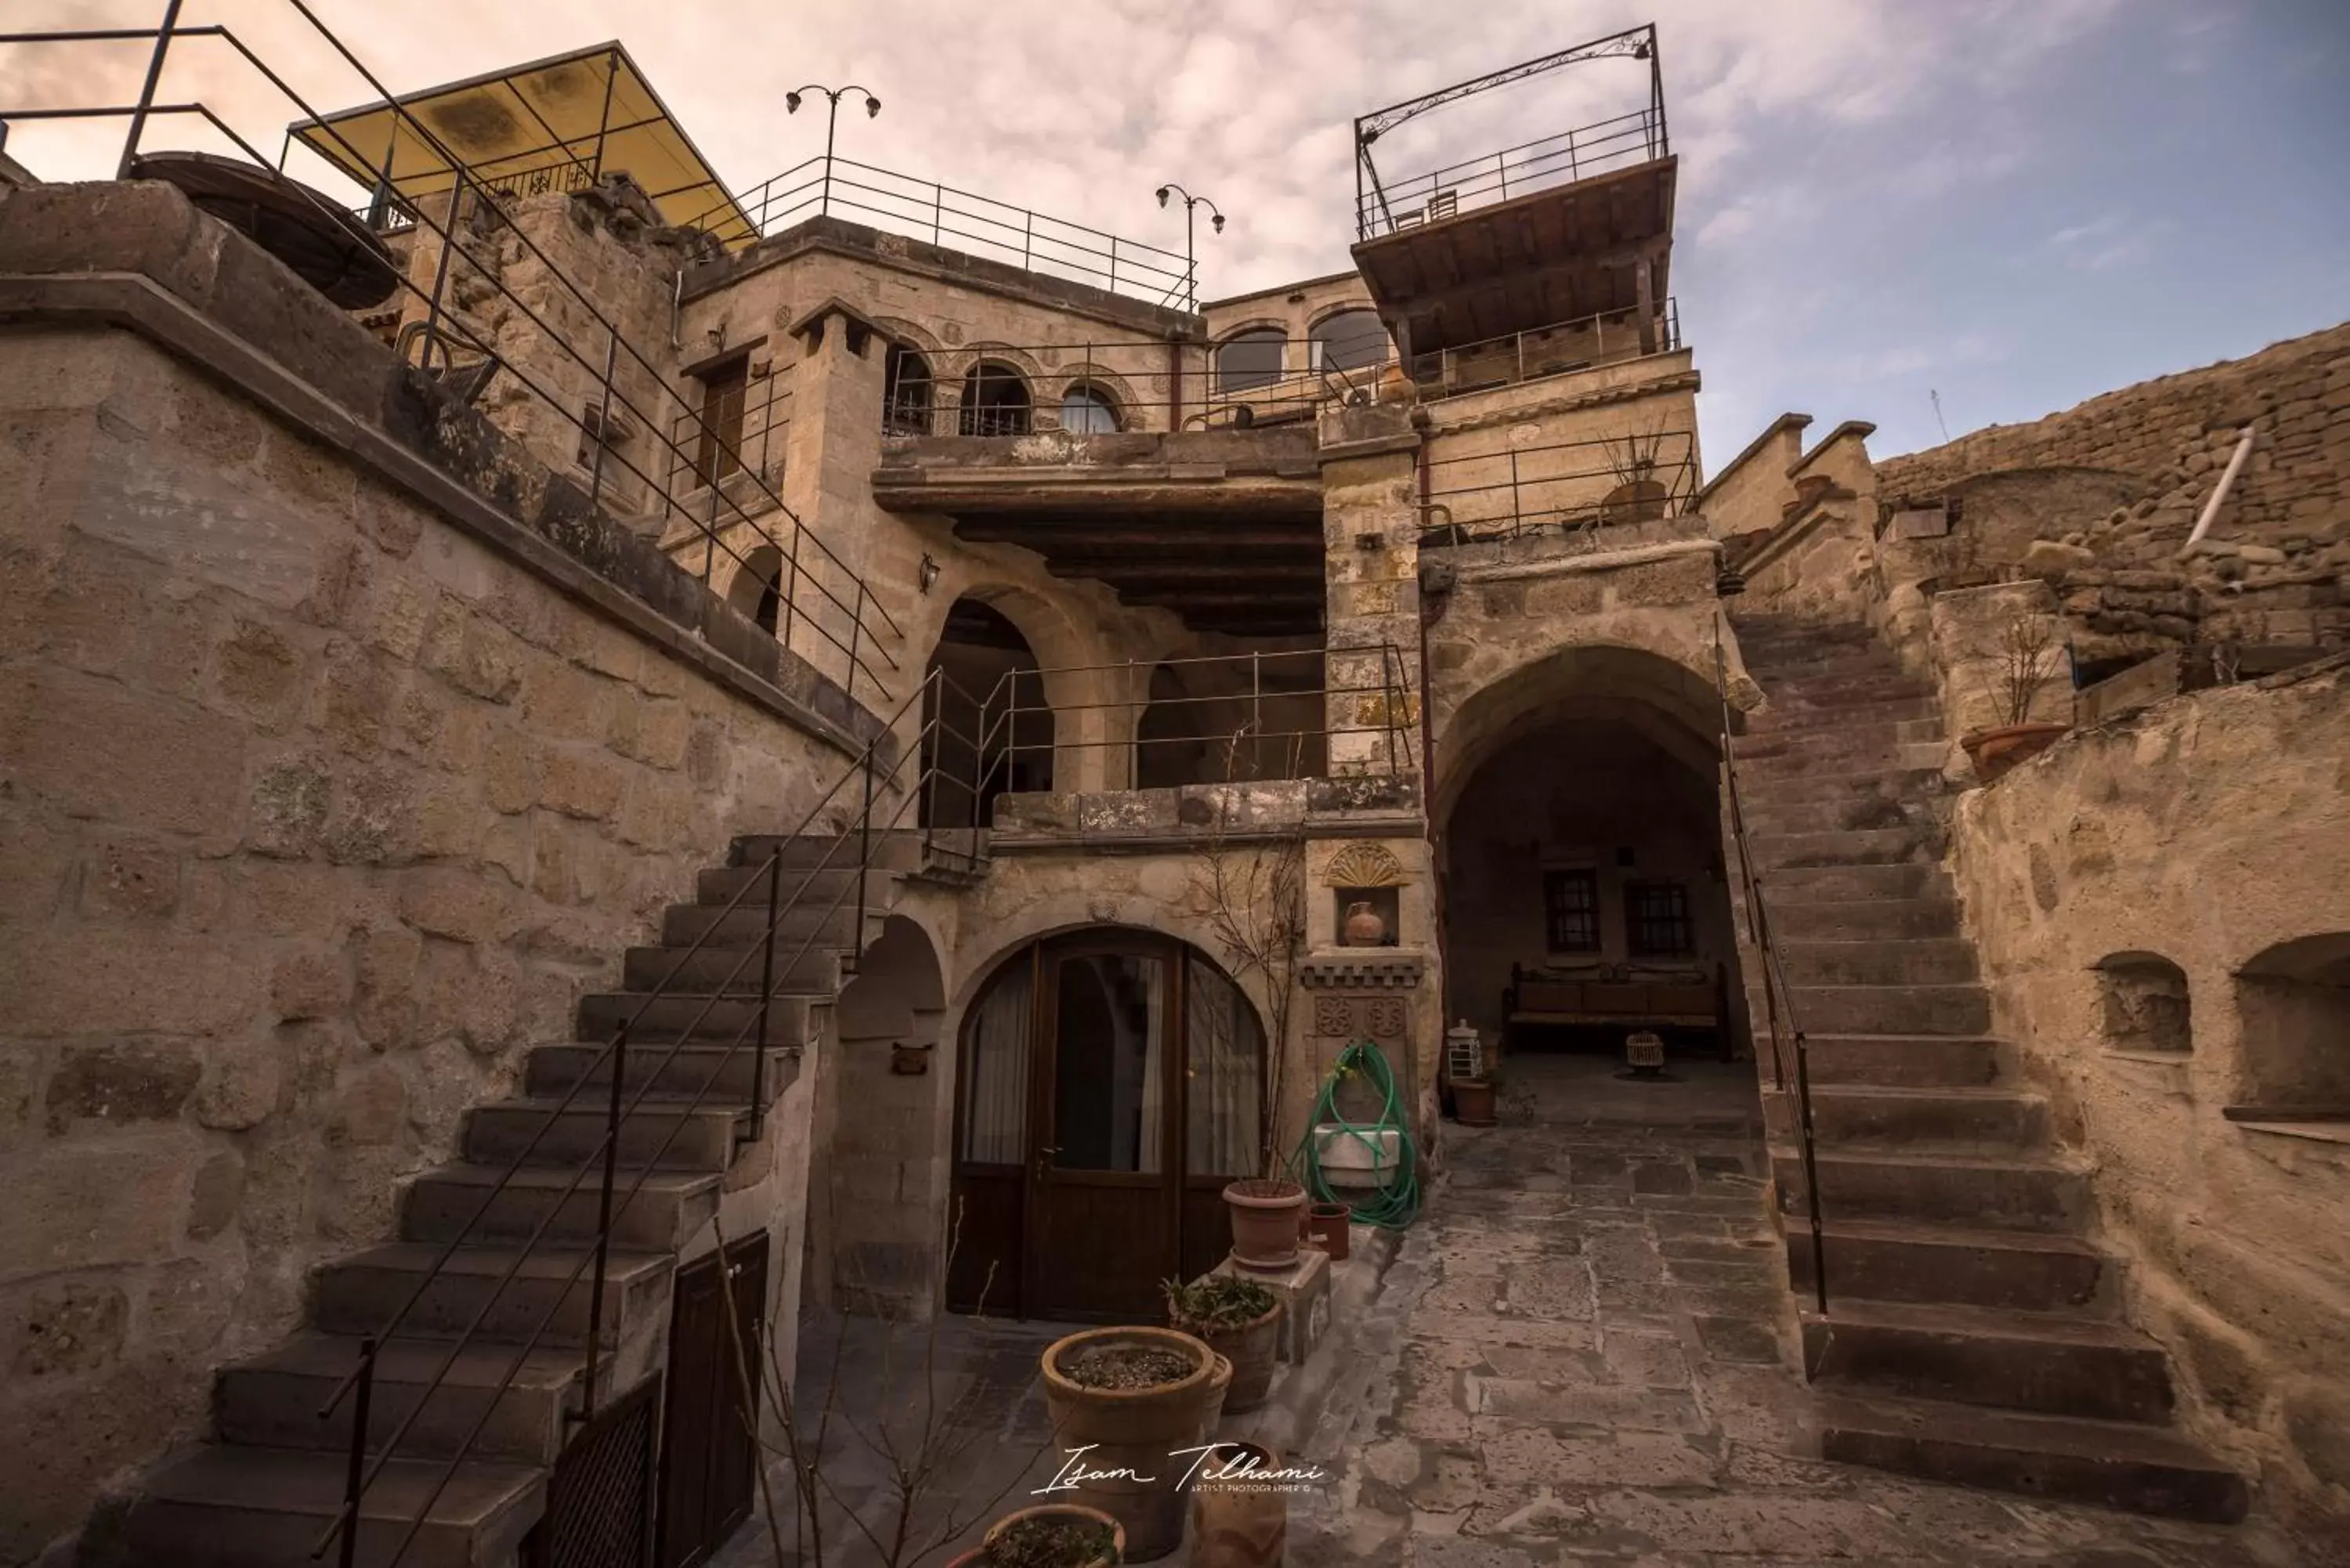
554	124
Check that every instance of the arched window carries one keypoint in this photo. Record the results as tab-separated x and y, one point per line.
757	590
1088	409
1348	341
996	400
906	393
1251	360
1641	501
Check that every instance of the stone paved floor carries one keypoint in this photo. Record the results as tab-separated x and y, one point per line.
1585	1353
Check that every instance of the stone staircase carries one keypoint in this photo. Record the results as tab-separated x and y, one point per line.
1973	1331
272	1476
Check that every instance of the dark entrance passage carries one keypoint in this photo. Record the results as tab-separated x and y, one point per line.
1585	895
990	730
1111	1083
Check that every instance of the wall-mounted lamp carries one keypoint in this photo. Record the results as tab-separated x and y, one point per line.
927	573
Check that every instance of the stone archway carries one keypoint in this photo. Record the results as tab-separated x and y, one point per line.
876	1214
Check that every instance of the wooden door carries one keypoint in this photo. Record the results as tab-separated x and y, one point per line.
708	1467
1104	1216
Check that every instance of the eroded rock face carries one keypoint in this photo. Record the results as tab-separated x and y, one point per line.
2140	894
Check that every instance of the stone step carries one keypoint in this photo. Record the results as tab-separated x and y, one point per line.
1842	759
1845	811
274	1400
1788	718
1810	693
1853	733
800	968
682	925
662	1020
1894	1260
1986	1121
1905	879
1921	1061
2112	1464
1762	794
1852	847
559	1136
2008	1194
1891	1009
2050	1364
745	887
1875	960
362	1294
720	1075
651	1209
893	849
228	1506
1856	919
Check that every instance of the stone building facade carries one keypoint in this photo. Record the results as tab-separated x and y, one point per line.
410	709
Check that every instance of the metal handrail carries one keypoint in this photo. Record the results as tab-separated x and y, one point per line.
604	1156
1054	246
1778	997
1561	484
1620	142
1438	367
466	196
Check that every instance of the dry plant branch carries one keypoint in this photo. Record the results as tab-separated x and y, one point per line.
2027	660
1253	895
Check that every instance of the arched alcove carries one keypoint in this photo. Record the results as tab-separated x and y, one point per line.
878	1200
2292	1008
758	588
1109	1081
906	392
2142	1003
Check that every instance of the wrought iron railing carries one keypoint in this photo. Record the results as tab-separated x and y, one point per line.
1778	997
1605	339
961	220
1560	487
592	383
1229	719
1560	159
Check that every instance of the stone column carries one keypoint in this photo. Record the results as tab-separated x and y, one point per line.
830	450
1370	536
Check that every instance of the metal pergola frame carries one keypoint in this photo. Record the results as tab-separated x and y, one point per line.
1634	43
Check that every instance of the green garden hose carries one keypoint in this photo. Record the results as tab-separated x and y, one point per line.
1397	1202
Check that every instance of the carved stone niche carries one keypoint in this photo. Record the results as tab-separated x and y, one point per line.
1367	874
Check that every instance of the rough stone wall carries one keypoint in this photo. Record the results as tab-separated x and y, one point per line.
2271	568
316	813
2201	832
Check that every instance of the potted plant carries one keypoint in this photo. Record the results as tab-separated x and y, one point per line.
1125	1399
1473	1102
1237	1318
2027	661
1050	1535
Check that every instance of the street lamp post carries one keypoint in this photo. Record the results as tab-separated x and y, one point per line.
831	118
1216	219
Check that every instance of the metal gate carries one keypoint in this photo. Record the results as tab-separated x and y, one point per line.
600	1501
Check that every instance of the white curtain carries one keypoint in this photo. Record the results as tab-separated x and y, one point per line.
1154	1066
995	1058
1223	1051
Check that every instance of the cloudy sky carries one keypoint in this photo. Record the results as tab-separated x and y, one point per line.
2013	203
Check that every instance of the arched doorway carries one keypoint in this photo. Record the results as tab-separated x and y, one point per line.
758	586
906	393
989	729
1111	1082
1584	888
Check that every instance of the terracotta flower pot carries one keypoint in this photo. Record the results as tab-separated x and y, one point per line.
1233	1523
1265	1211
1996	749
1132	1431
1473	1102
1327	1229
977	1557
1253	1351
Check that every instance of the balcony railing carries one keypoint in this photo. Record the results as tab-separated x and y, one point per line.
1560	159
961	220
1562	487
1605	339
